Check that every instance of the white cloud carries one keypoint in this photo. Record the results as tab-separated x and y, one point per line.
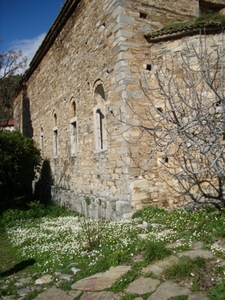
28	46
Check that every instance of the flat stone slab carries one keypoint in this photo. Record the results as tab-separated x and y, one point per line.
169	289
195	253
198	296
143	286
43	280
54	294
100	281
100	296
159	266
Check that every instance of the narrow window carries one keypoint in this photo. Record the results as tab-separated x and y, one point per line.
73	128
99	119
55	136
73	136
42	141
100	129
55	142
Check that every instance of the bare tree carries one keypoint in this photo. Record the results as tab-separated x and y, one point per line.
183	118
12	63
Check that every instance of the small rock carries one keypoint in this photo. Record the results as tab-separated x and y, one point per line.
23	292
65	276
74	270
43	280
23	281
143	236
143	286
156	225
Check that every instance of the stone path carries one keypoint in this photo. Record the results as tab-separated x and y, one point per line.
93	287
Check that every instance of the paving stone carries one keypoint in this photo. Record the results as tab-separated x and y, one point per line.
143	286
23	292
23	281
74	294
198	296
100	281
195	253
54	294
169	289
43	280
159	266
100	296
65	276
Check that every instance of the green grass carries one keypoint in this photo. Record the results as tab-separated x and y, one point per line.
218	293
8	254
55	238
185	267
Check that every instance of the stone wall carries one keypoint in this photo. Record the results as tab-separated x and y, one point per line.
78	92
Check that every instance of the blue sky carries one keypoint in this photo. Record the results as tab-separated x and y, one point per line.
24	23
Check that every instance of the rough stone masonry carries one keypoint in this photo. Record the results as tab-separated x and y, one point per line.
73	102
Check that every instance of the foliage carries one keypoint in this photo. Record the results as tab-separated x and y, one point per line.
218	293
185	225
18	158
56	239
34	210
155	251
12	63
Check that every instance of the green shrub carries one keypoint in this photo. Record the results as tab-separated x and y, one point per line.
18	158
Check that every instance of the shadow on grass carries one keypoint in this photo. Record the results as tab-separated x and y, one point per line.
18	267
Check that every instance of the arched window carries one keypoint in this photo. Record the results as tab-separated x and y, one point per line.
99	119
55	136
73	127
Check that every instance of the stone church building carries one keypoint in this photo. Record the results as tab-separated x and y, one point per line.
73	99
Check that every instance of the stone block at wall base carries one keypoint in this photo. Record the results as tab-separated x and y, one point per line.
91	206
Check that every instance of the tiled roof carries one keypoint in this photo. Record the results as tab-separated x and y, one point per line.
171	33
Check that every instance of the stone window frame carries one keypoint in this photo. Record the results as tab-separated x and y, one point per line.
99	113
55	135
73	128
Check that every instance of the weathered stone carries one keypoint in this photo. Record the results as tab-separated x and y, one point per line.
158	267
195	253
54	293
93	58
100	281
43	280
198	296
65	276
143	286
23	292
169	289
100	296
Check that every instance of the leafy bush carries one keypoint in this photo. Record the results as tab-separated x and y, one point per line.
18	158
